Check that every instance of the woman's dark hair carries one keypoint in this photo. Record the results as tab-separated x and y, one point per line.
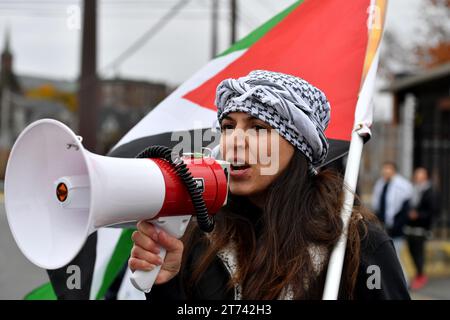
301	210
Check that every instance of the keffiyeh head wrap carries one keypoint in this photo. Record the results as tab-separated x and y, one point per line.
297	110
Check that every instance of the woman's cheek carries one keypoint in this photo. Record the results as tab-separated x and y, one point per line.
223	148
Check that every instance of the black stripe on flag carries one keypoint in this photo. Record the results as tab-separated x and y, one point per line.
338	148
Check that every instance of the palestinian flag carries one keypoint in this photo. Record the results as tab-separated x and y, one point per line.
333	44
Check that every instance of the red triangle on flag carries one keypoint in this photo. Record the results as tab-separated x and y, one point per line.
323	42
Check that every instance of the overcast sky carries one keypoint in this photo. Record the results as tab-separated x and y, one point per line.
46	42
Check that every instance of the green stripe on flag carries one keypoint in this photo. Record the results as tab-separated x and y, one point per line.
44	292
118	259
258	33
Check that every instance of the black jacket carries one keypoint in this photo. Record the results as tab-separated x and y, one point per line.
426	208
400	219
376	250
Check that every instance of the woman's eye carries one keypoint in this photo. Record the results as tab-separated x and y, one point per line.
258	127
226	127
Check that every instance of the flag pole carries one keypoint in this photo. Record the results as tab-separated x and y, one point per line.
361	129
336	262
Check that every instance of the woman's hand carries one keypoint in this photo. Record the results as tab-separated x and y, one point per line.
144	254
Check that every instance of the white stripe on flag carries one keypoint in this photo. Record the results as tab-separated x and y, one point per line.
106	242
177	114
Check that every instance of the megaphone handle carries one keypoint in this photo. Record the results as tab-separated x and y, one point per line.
173	225
144	280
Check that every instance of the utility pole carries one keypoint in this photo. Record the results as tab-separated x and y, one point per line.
233	21
88	82
6	85
214	27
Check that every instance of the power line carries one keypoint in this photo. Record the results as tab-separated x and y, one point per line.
117	16
192	11
214	27
101	10
225	14
147	35
64	3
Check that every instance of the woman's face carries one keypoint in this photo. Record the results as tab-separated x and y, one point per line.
257	153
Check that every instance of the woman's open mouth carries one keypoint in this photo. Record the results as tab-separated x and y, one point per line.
240	171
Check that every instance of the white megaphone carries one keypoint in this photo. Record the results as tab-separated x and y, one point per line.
57	194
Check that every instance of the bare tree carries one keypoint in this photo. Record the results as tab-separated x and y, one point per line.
430	46
434	34
395	56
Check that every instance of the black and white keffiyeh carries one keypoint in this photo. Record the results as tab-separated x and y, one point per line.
297	110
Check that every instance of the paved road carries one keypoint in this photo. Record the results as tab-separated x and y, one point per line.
436	289
17	275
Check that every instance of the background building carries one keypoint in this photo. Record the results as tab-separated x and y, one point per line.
24	99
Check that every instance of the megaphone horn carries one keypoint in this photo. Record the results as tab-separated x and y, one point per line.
57	193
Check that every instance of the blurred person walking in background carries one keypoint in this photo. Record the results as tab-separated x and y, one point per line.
417	229
391	201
